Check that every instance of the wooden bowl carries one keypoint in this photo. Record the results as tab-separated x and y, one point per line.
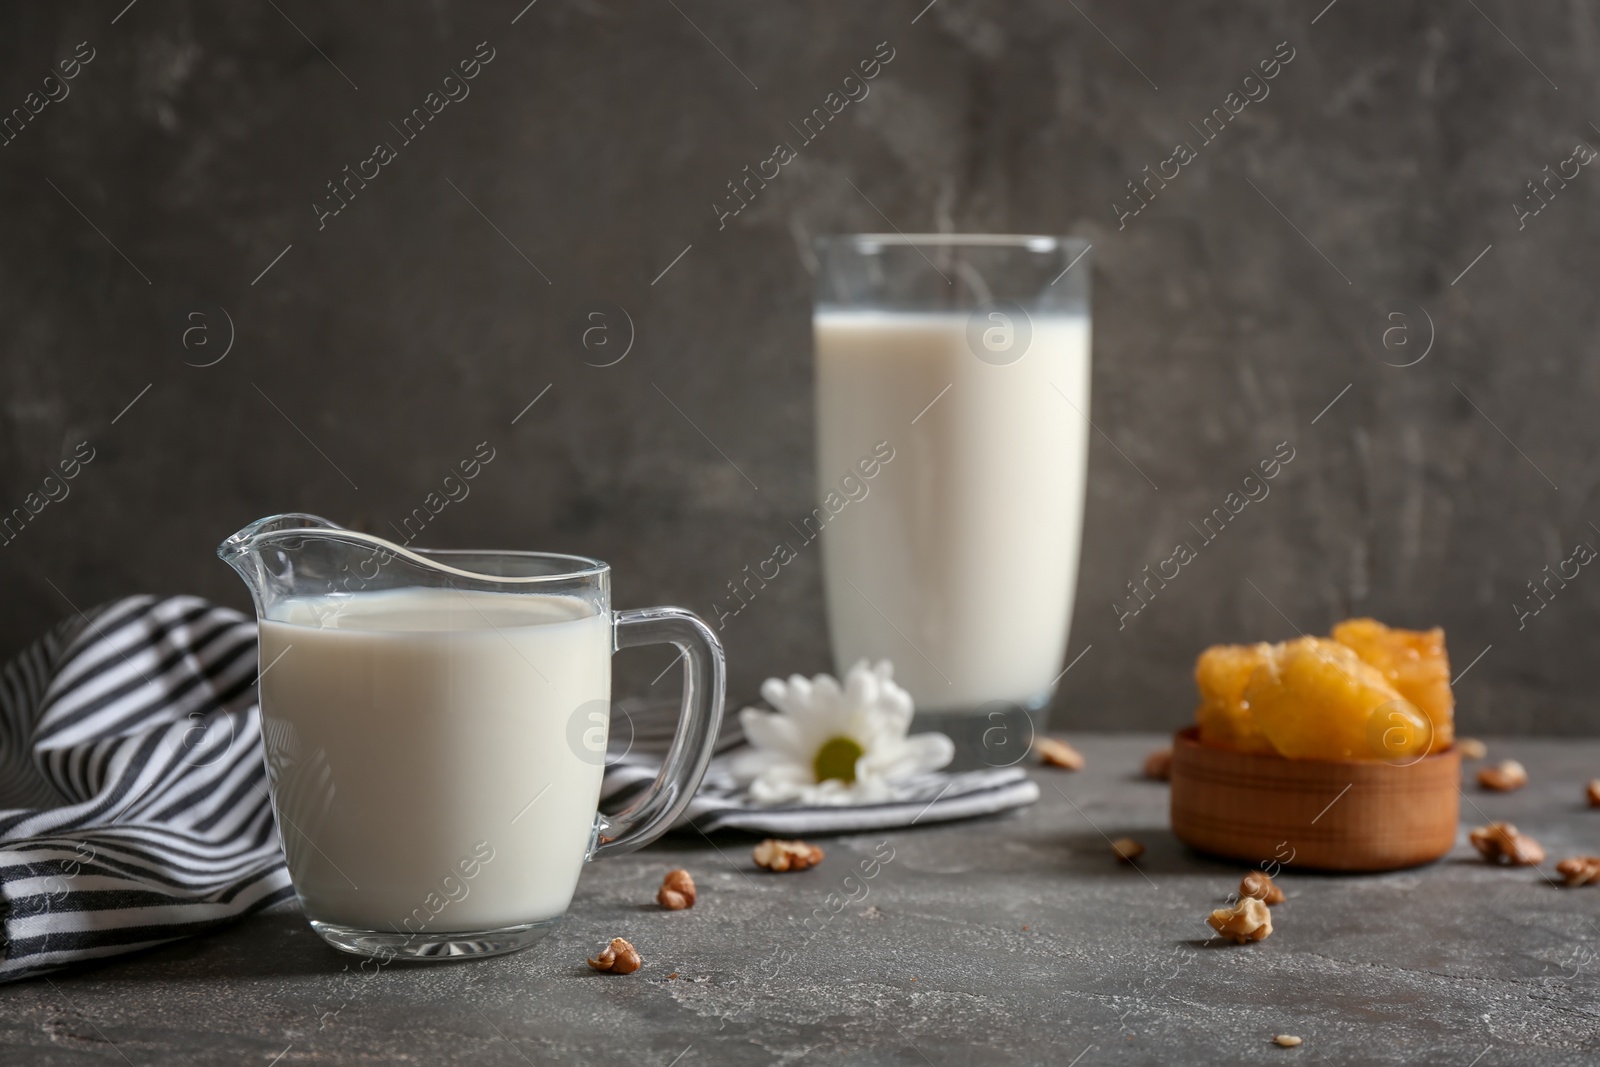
1334	815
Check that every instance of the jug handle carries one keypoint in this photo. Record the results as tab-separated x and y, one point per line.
704	684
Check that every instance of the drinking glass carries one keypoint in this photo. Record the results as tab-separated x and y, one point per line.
952	408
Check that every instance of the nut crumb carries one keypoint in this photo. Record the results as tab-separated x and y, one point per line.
1158	765
677	891
1054	753
1287	1041
776	855
1259	884
1471	748
1499	842
1593	792
1247	920
619	957
674	974
1579	870
1127	849
1504	776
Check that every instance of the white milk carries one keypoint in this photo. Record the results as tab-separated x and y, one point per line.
408	731
964	553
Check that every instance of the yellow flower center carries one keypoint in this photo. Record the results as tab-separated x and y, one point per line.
837	759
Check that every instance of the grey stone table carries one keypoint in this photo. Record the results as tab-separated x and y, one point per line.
1009	940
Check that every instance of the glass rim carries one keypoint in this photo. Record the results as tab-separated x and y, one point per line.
1033	242
576	566
297	524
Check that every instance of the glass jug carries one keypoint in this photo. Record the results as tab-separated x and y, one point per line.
435	729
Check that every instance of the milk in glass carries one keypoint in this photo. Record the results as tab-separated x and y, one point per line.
960	563
424	761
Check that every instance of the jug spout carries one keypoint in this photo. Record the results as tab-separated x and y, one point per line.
247	540
298	556
270	555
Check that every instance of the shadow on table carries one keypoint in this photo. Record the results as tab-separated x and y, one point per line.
1088	854
275	944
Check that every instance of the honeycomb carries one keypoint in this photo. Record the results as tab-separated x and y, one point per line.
1415	663
1315	698
1368	692
1221	674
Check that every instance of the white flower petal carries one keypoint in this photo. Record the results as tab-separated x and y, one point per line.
915	755
825	690
788	773
776	693
892	722
868	708
897	700
748	764
861	685
787	696
769	791
776	733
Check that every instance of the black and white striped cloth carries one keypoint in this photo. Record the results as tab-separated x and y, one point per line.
641	731
133	795
722	805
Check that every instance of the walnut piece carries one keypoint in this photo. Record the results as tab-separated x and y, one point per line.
1504	776
1258	884
677	891
1499	842
619	957
1287	1041
1579	870
1593	792
1247	920
1127	849
1053	753
1471	748
1158	765
777	855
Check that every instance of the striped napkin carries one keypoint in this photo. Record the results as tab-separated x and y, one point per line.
642	730
133	794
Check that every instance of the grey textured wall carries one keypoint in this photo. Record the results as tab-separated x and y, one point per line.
391	338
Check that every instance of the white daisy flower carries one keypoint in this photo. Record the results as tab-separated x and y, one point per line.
827	745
